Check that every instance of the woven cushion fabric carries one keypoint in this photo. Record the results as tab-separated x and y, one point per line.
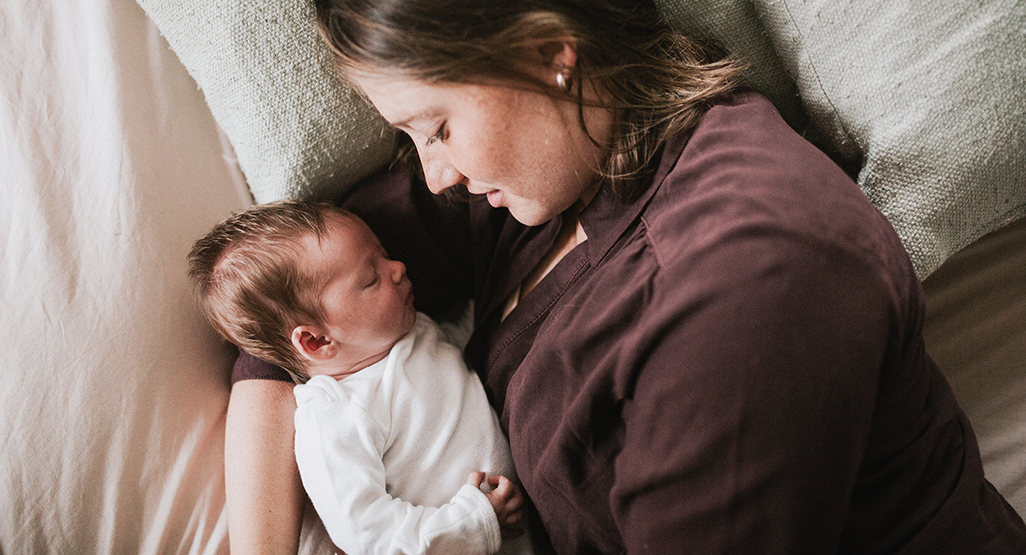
930	97
297	131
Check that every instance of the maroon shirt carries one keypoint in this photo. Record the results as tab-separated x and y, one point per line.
733	363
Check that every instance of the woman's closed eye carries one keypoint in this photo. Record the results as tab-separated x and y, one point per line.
439	135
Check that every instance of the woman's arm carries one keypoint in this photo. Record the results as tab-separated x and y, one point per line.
264	494
750	419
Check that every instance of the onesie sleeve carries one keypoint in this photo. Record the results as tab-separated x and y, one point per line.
339	450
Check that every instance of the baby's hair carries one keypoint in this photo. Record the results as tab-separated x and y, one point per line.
250	285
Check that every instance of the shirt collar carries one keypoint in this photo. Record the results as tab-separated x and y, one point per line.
606	217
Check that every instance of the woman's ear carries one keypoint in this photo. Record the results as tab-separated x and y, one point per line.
559	57
559	53
313	343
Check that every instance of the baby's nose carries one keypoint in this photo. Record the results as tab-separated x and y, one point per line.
398	270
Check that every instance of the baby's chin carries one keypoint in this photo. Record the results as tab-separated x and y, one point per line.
409	320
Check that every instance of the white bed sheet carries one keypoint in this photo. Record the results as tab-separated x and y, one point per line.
113	388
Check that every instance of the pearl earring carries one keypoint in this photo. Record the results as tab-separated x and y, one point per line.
563	81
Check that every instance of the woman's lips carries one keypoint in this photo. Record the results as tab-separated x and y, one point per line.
494	198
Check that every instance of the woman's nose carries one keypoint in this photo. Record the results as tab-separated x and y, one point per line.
440	174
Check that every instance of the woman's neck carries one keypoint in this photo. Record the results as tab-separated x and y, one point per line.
571	234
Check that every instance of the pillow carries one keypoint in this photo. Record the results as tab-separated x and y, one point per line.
929	96
297	131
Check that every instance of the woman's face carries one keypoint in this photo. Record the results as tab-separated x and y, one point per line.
522	149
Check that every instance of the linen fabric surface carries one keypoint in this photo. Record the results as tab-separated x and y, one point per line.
738	422
976	331
114	385
112	409
384	453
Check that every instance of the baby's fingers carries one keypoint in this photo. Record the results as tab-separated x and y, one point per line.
506	499
476	478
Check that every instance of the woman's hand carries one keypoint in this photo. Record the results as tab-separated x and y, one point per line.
505	498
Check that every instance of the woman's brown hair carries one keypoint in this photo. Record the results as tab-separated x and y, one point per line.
656	82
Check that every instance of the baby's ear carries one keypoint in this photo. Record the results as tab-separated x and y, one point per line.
313	343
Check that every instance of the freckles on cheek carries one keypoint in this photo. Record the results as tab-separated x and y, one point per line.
483	160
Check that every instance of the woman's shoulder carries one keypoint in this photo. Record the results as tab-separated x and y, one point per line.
744	176
743	147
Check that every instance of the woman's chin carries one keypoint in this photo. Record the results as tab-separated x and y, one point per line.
529	216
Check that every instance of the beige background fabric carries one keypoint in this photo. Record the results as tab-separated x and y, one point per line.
297	131
976	332
114	386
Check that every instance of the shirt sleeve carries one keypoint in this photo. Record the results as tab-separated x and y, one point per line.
755	436
249	367
339	450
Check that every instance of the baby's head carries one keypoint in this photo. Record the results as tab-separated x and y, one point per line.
306	286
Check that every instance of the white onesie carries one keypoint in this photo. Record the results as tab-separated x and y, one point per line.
384	453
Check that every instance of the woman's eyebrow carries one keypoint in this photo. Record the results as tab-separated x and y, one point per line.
405	122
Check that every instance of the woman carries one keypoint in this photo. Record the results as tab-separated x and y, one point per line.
699	334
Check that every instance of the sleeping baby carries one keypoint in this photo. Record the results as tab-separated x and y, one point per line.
396	443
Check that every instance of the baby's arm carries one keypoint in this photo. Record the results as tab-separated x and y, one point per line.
505	498
339	450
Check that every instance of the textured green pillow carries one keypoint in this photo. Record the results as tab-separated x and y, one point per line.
929	96
297	131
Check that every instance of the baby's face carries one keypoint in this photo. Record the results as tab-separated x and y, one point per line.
367	298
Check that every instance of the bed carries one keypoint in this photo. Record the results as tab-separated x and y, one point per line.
129	128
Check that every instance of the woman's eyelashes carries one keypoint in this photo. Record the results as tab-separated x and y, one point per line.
438	136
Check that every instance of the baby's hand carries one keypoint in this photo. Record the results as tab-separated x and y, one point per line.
506	498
